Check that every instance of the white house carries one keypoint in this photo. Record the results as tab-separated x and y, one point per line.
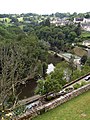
78	20
59	22
81	20
86	27
50	68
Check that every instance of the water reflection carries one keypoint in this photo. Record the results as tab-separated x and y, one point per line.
27	90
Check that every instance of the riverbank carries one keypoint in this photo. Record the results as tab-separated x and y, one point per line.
28	89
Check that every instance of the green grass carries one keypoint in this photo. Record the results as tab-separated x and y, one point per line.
75	109
85	34
79	51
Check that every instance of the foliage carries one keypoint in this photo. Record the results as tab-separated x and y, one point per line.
88	61
48	85
19	110
76	86
40	87
58	36
23	53
57	79
85	35
53	82
83	59
71	64
58	73
19	61
83	83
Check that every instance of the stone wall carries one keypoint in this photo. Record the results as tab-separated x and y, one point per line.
46	107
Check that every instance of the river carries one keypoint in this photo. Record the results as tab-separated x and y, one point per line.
27	90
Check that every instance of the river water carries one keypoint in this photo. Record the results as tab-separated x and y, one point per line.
28	89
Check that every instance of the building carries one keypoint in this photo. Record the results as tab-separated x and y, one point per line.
59	22
50	68
86	43
81	20
78	20
86	27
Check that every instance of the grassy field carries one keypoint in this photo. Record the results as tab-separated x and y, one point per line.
76	109
85	34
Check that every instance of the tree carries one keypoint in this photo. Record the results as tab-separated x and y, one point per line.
78	29
40	87
88	61
44	87
58	73
83	59
45	66
71	64
61	35
46	22
72	36
14	19
11	66
87	15
19	61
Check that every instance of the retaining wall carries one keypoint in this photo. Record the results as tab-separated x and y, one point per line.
46	107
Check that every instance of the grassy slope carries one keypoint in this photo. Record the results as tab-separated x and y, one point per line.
76	109
85	34
79	51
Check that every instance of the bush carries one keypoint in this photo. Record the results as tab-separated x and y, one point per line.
49	98
19	110
83	83
76	86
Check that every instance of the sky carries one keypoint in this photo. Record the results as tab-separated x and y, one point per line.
44	6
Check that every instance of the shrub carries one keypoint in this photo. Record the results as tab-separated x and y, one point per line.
19	110
76	86
83	83
49	98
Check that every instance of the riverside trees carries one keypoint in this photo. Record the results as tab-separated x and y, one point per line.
63	73
19	60
53	82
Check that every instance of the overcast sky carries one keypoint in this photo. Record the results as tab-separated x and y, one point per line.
44	6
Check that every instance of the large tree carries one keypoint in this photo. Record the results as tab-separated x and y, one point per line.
19	61
11	67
